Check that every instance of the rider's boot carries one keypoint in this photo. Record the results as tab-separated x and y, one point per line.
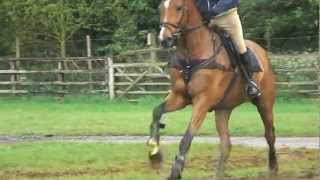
251	65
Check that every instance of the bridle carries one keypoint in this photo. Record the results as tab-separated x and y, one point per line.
180	29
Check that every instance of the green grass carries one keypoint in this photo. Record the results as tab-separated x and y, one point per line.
57	160
95	116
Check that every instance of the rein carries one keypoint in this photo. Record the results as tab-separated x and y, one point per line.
187	65
180	30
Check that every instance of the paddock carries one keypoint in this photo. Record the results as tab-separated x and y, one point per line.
58	116
83	137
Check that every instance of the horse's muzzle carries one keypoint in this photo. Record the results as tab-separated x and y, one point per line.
169	42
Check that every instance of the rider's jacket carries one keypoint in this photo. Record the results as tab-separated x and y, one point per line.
211	8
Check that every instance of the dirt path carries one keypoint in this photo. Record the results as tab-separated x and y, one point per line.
307	142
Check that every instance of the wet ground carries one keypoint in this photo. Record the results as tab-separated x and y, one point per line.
307	142
290	159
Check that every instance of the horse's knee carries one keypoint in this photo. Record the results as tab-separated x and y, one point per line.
175	102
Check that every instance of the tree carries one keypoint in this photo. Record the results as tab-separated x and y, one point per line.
281	18
123	23
15	17
61	19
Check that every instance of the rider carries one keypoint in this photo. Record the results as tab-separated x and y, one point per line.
223	14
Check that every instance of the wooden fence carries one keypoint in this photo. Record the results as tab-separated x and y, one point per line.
116	78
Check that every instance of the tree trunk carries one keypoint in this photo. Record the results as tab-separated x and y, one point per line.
63	48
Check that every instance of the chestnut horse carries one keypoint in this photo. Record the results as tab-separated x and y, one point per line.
208	89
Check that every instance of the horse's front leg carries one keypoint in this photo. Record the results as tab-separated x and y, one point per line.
173	102
200	109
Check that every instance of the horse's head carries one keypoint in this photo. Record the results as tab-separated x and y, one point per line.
174	20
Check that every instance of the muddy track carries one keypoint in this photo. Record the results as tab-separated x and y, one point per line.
307	142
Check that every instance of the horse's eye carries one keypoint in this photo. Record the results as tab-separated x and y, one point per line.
179	8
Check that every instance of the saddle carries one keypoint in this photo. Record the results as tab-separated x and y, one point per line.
189	67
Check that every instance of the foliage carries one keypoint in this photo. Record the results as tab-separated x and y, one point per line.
122	24
66	18
281	19
14	20
48	20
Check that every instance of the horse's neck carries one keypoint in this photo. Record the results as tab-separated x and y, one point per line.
197	44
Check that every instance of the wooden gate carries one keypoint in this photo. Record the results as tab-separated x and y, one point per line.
132	79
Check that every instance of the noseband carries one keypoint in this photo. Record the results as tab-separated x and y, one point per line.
178	27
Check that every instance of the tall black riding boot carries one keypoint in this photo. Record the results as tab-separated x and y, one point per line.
251	65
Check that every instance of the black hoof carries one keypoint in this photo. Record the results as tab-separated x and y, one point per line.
174	177
156	160
273	164
176	171
171	178
273	170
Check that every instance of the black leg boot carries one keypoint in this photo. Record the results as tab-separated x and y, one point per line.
251	65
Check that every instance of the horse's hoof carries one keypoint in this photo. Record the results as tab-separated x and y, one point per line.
273	168
156	159
172	177
176	171
273	173
219	177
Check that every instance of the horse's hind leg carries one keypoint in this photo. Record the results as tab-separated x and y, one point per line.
172	103
265	108
222	119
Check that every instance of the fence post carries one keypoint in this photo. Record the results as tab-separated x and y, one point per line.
13	76
110	79
267	36
17	62
18	53
88	40
61	75
153	44
89	55
318	74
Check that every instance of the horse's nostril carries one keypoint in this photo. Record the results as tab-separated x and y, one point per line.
168	42
164	44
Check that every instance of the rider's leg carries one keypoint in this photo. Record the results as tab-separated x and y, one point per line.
232	24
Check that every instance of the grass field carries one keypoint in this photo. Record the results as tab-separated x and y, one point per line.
95	116
115	161
57	160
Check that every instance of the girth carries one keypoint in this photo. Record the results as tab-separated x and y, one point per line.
189	67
